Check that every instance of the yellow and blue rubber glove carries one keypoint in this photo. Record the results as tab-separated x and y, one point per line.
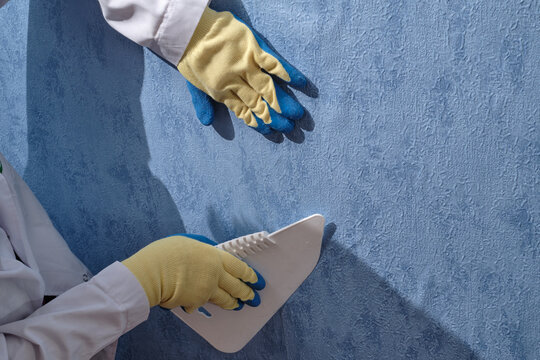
225	61
188	271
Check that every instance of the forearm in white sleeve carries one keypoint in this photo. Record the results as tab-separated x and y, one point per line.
81	321
164	26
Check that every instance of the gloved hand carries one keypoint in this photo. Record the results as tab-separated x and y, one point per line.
226	61
182	271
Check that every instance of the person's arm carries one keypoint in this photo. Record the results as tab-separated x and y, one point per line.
182	270
222	59
81	322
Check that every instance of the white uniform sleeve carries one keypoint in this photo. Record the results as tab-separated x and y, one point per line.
164	26
80	322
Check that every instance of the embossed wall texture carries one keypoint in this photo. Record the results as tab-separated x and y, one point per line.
421	149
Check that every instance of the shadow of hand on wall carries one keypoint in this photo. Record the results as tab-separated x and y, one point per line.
344	310
88	152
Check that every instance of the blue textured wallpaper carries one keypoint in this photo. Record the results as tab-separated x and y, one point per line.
421	148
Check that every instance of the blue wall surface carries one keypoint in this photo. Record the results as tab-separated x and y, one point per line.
421	148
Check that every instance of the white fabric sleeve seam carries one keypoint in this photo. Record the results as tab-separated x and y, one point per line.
121	306
93	352
164	20
128	294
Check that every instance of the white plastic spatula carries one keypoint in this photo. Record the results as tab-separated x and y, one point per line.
285	258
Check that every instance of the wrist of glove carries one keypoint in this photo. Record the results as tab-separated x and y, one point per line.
228	63
181	271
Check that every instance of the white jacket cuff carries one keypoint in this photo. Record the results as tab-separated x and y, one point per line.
123	287
164	26
178	26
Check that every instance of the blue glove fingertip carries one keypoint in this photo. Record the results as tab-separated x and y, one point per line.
240	306
290	108
260	284
297	78
280	123
262	127
256	301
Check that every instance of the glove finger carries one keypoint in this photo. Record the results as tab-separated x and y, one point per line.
262	127
240	109
286	104
256	300
243	112
204	105
254	101
280	122
260	284
224	300
238	268
189	309
264	85
236	288
240	306
296	77
271	65
290	108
